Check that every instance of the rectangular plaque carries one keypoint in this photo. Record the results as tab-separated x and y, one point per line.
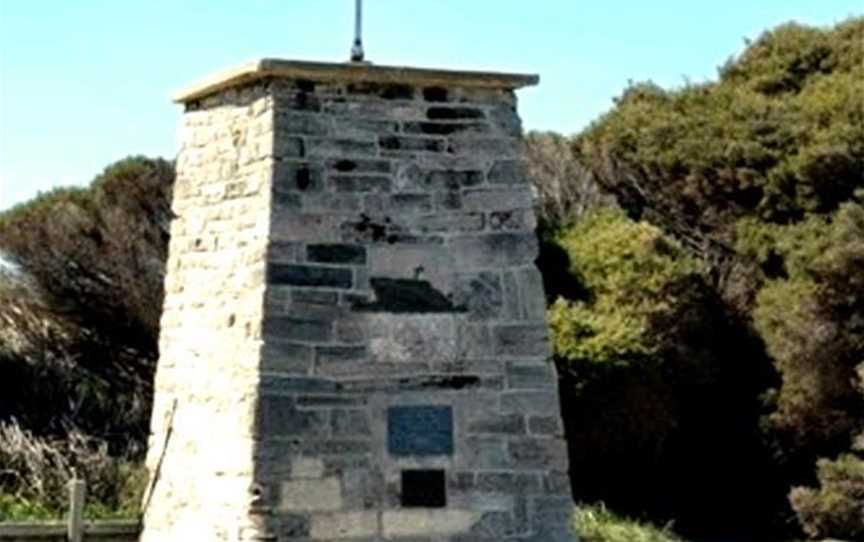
420	430
424	489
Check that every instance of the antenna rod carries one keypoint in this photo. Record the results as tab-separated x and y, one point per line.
357	49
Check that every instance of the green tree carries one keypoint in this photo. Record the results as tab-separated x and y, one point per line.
836	508
756	175
80	316
648	357
631	270
778	138
811	317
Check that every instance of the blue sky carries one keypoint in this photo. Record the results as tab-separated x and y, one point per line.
87	82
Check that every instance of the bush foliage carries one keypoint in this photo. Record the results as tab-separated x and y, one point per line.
81	315
837	507
597	524
778	138
647	355
80	300
755	177
633	273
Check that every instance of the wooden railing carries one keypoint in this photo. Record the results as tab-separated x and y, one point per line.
75	528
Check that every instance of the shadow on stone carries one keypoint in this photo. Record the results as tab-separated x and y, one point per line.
406	295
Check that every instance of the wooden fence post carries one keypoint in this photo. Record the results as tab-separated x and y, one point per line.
77	494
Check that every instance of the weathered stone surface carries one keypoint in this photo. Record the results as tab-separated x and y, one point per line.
362	183
497	424
413	523
494	250
306	296
287	357
298	329
545	425
513	220
395	338
521	340
301	123
279	416
344	525
332	202
444	128
406	143
307	467
538	453
508	172
293	526
530	376
356	166
486	199
311	495
509	482
353	309
294	177
330	147
350	422
448	222
485	453
309	275
479	293
336	253
452	113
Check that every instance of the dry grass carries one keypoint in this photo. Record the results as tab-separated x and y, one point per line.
35	472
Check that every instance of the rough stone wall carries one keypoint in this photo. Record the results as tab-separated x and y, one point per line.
404	324
208	375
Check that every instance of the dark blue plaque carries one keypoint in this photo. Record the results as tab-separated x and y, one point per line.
420	430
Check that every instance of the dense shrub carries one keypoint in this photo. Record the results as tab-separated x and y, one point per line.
836	509
811	317
79	319
632	272
80	300
649	359
779	137
756	174
36	472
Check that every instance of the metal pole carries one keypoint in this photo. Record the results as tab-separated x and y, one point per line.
357	49
77	494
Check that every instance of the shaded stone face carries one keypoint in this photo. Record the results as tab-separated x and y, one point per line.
364	334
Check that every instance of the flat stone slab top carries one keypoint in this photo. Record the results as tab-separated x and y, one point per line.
357	72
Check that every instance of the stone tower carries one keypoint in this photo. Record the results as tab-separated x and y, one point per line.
353	342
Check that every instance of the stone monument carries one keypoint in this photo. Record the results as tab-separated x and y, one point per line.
353	344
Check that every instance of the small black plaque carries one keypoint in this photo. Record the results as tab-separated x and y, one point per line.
420	430
424	489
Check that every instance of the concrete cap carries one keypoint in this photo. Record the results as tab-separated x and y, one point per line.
351	73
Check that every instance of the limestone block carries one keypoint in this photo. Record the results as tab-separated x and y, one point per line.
402	338
494	250
344	525
307	467
427	522
310	495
